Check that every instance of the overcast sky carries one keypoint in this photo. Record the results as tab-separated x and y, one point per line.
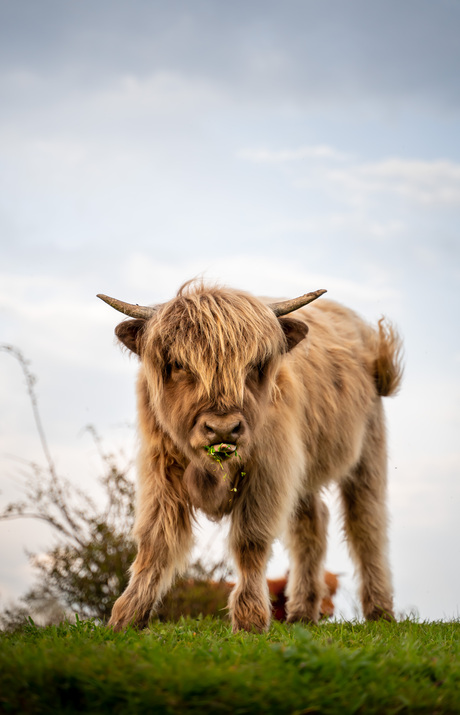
278	147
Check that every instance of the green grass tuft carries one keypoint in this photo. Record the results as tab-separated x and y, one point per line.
199	666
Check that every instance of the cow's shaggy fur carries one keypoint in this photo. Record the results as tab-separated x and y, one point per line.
303	410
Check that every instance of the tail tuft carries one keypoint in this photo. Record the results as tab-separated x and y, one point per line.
388	368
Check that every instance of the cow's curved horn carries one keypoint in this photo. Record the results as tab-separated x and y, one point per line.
134	311
287	306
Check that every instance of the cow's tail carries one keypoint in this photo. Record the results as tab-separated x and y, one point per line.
388	368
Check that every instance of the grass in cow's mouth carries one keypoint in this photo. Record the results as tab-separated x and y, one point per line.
221	451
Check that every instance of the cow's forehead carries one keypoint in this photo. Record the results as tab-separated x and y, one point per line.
221	324
217	335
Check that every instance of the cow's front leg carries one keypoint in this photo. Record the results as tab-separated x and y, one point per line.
164	536
253	529
249	602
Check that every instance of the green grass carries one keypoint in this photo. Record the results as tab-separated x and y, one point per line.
199	666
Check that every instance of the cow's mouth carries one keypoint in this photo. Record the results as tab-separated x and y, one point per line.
221	451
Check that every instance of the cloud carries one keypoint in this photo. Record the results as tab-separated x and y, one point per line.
430	183
300	53
276	275
321	151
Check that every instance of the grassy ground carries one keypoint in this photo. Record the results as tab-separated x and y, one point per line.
201	667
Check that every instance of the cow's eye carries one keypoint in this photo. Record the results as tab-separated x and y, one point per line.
258	370
174	369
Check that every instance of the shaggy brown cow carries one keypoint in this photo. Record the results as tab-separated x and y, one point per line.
277	590
242	414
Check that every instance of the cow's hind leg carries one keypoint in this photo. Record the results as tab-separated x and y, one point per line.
307	541
365	521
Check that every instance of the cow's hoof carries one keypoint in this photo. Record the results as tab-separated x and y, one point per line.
256	624
380	614
301	618
116	627
249	627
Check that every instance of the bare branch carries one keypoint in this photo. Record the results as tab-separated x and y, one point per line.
30	386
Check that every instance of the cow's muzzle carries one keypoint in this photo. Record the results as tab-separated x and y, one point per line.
222	429
220	435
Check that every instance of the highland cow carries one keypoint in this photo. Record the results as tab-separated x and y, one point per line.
246	412
277	591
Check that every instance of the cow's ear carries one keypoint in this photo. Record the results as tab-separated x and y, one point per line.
129	332
294	330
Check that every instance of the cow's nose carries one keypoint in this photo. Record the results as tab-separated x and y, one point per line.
222	430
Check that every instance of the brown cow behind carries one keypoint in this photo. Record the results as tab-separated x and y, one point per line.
244	415
197	596
277	590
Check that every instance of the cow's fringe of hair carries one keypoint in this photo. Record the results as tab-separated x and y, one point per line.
208	327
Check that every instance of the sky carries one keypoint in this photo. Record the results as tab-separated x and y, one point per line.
274	147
